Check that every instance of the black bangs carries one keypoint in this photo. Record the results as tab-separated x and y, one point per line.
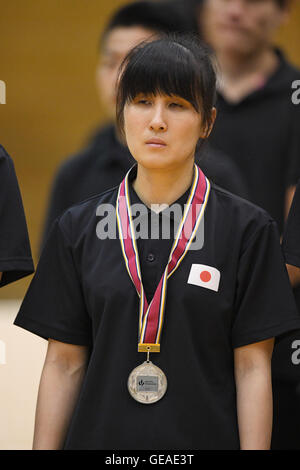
173	65
171	73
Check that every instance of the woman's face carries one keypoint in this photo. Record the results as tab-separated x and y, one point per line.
161	131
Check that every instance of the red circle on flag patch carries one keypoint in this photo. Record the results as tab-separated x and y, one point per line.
205	276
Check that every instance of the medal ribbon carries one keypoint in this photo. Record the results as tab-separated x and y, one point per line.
151	316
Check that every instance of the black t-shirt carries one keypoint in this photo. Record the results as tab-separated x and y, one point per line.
104	163
285	365
291	237
261	136
82	294
15	255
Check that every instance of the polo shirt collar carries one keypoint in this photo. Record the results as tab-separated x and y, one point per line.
280	80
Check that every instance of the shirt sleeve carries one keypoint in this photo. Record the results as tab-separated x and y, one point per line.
264	304
15	253
54	305
291	237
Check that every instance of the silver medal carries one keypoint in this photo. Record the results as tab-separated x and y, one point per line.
147	383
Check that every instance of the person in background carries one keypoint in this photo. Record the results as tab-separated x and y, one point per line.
104	161
257	124
291	240
290	414
258	128
15	254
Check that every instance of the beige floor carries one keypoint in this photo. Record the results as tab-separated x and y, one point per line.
21	360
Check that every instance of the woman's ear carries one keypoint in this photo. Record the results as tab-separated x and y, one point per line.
206	131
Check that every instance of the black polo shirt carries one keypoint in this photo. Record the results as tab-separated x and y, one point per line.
155	250
15	254
82	294
105	161
286	367
291	237
261	135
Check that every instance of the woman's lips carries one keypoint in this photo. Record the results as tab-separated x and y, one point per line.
156	143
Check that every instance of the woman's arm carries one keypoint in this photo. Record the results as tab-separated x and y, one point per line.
252	364
60	383
0	276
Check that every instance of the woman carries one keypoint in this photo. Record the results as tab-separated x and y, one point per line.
206	312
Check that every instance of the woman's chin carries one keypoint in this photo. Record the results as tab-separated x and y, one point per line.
157	161
155	164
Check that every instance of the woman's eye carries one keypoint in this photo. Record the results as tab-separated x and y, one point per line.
176	105
144	102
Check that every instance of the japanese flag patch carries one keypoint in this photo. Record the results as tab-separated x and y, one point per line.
204	276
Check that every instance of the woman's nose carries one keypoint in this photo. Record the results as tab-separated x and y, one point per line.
158	122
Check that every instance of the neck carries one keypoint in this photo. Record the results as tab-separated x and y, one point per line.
156	186
243	73
237	65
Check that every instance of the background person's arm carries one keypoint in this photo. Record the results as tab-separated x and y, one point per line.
252	364
290	243
0	276
294	274
60	383
289	195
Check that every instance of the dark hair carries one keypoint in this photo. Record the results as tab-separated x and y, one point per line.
163	17
281	3
172	65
